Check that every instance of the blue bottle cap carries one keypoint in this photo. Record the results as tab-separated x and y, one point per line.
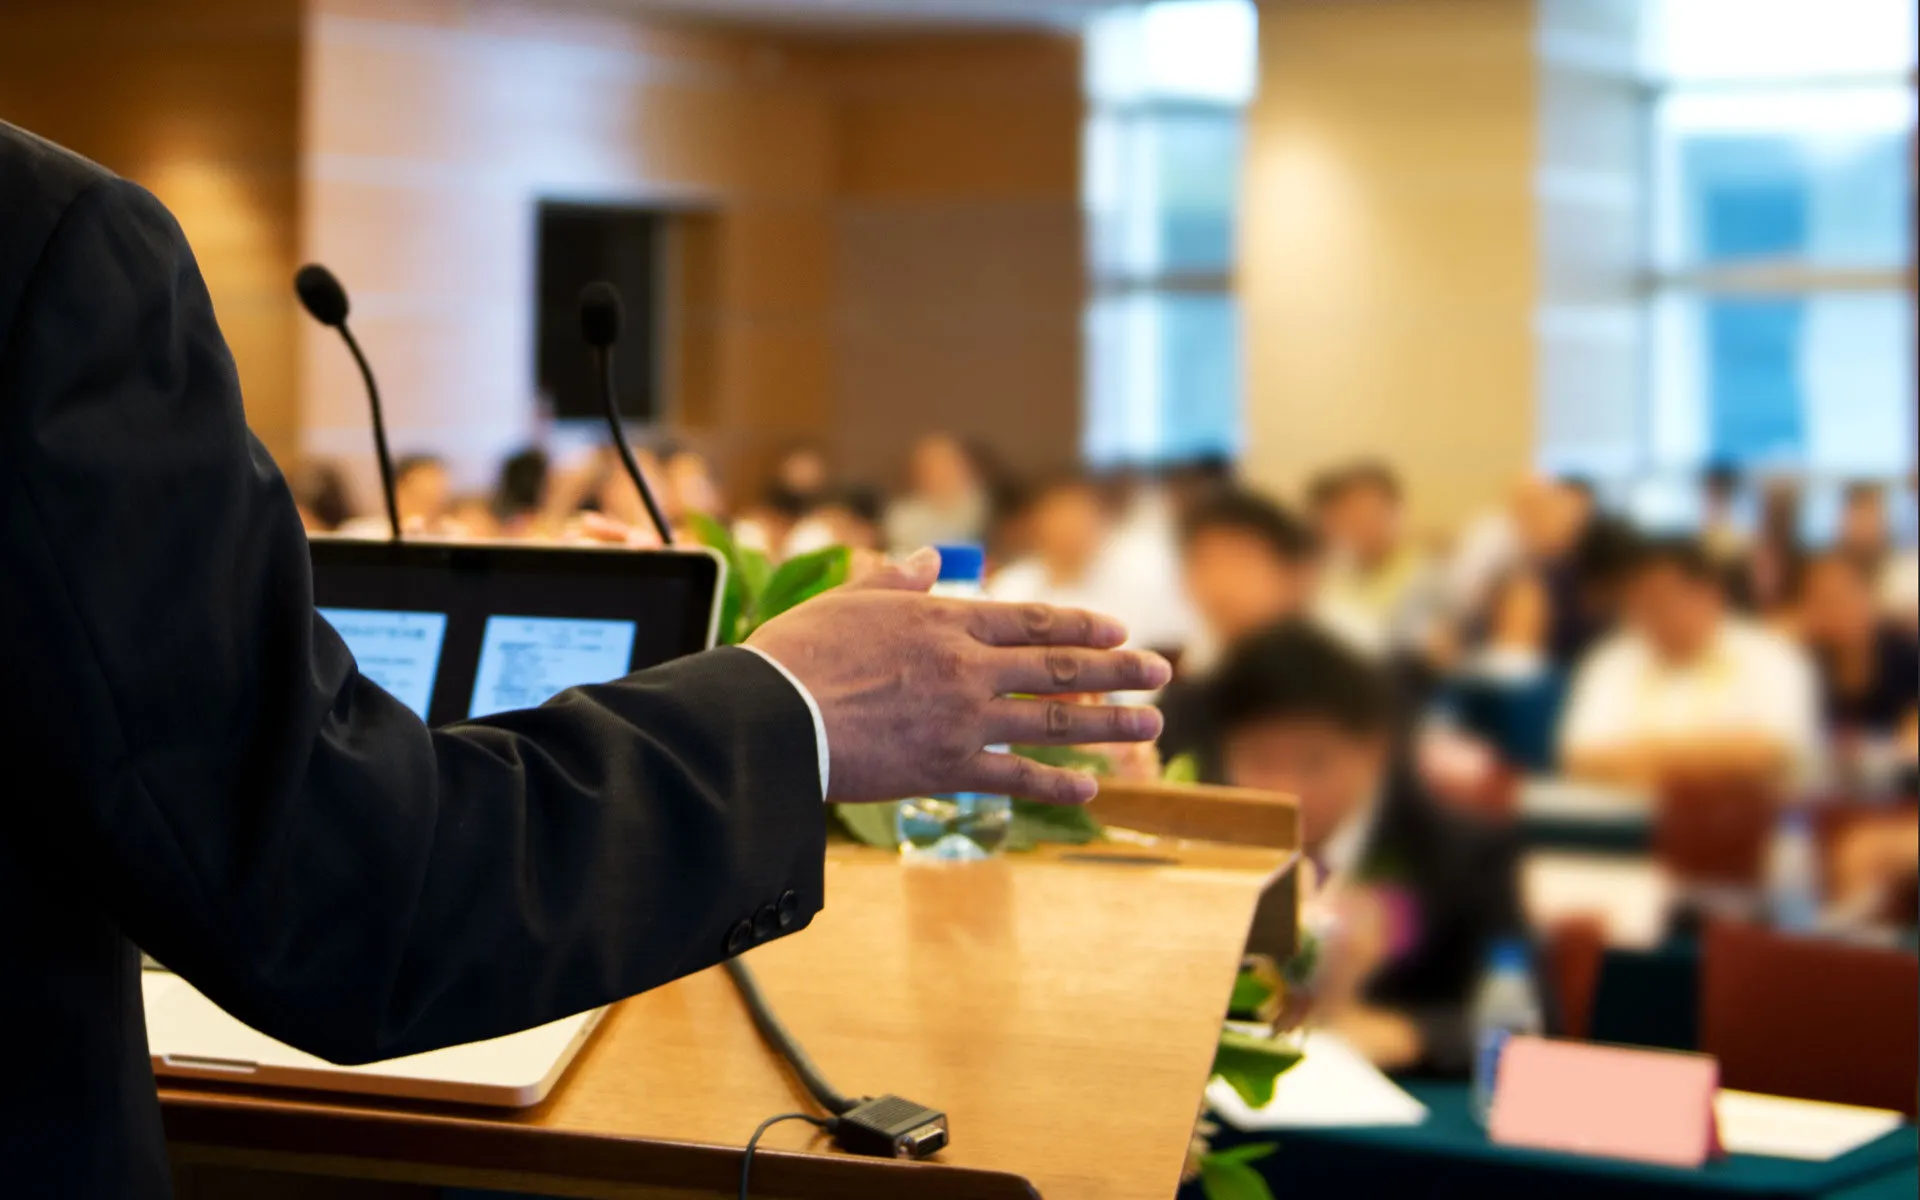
962	562
1508	954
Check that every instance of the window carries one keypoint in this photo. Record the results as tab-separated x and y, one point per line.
1167	84
1779	316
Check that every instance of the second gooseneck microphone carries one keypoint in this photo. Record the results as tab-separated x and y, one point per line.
600	316
326	302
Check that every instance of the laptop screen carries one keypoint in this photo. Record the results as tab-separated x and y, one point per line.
469	630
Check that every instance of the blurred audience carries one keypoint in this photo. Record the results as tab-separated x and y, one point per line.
520	494
320	495
946	499
1412	895
1685	689
1377	586
847	517
1722	535
1869	670
1247	563
1067	527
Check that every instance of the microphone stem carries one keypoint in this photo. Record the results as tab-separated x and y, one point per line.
605	355
379	431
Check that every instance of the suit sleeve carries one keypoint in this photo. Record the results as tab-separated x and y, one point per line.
198	751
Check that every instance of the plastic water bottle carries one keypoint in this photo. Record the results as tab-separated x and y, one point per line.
966	825
1793	874
1505	1005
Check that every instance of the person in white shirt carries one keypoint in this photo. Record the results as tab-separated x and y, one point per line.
1686	690
1377	586
1067	527
946	499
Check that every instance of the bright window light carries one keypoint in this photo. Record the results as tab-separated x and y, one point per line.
1174	50
1697	40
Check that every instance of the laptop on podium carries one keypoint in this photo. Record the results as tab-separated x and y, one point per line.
457	631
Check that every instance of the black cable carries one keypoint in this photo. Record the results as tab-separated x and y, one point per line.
753	1143
619	430
783	1042
379	429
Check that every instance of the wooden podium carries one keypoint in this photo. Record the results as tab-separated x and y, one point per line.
1062	1007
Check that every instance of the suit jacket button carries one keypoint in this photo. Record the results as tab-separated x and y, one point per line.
766	922
740	937
789	908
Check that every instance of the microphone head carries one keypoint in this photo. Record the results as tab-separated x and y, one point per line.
321	295
600	314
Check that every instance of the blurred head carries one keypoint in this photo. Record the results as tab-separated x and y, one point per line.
688	485
1674	598
1720	487
422	489
1067	526
848	517
940	470
616	497
1359	510
472	516
802	473
1838	606
1863	520
522	487
1246	562
1301	713
1551	516
320	493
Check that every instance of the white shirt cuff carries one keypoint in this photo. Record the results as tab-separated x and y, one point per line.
813	708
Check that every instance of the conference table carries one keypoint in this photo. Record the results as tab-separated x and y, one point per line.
1062	1006
1449	1154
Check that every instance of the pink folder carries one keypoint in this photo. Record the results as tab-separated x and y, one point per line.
1648	1105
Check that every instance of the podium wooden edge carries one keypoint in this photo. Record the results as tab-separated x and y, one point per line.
1200	812
252	1131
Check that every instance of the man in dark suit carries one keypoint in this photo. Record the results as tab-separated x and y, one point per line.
1410	896
193	764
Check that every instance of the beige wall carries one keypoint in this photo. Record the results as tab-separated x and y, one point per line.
198	100
959	246
882	233
1388	267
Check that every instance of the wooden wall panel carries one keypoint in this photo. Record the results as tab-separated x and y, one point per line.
1388	266
198	101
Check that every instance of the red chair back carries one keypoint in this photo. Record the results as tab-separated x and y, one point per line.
1714	831
1576	948
1812	1019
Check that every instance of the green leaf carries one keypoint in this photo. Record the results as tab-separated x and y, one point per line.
1251	1152
1249	993
871	824
756	569
737	599
1298	971
1226	1178
800	579
1068	824
1181	768
1250	1065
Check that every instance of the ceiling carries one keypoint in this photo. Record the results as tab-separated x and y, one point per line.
872	14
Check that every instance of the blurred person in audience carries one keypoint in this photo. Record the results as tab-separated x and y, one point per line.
1900	580
320	495
1686	690
946	499
1863	531
848	516
1246	563
1142	558
1874	870
1722	535
1067	528
1869	670
1768	585
687	485
471	517
422	491
800	483
1376	584
520	493
1411	896
803	475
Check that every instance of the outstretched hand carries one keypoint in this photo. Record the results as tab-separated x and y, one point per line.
913	687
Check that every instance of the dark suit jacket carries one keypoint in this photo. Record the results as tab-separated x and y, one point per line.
189	761
1457	878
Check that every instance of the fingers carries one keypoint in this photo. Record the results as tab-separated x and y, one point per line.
1042	625
915	573
1063	723
1056	670
1011	775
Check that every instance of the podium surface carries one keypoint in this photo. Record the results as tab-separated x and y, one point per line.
1062	1007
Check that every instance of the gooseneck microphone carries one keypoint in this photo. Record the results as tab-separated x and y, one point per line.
600	315
326	302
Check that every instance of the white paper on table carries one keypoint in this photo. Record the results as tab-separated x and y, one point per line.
1780	1127
1331	1086
1591	803
1631	896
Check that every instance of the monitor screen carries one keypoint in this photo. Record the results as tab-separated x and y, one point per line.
465	631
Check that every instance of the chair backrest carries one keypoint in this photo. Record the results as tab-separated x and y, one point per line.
1714	831
1576	947
1813	1019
